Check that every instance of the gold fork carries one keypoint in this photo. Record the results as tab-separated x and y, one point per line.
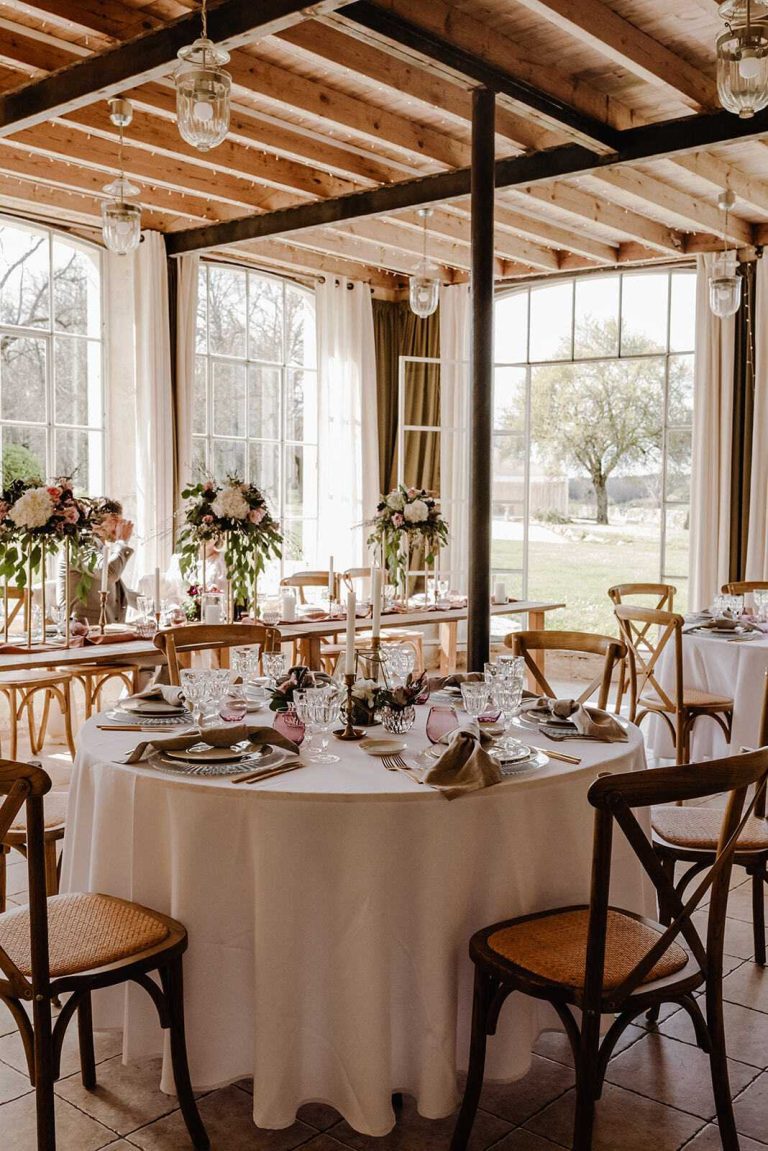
397	763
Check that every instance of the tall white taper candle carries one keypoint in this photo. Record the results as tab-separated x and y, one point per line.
105	566
376	600
349	653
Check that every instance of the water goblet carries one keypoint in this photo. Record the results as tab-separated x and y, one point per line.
270	612
510	667
275	666
145	605
476	697
399	661
324	710
244	661
441	719
490	672
194	686
507	696
301	705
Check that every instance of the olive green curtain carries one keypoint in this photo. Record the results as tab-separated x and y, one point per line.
743	420
397	332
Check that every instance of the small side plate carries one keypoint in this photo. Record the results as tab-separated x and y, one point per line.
383	746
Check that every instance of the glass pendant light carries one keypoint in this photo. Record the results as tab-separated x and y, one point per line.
724	281
202	92
424	284
742	59
121	220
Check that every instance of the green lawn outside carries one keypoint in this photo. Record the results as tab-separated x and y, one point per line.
583	560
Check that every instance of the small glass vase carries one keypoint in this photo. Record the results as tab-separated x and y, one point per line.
398	720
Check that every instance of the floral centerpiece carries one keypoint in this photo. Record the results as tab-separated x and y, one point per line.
396	705
363	703
405	518
235	516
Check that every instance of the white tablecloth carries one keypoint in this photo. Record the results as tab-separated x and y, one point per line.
329	912
713	664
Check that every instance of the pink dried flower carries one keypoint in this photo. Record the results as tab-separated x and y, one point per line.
256	515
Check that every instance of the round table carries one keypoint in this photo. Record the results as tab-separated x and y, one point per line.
735	669
329	912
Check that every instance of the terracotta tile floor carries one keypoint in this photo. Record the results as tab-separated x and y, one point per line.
657	1092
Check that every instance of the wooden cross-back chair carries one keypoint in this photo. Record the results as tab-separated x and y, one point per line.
646	633
612	650
176	641
602	960
18	605
71	945
744	587
664	596
690	834
317	579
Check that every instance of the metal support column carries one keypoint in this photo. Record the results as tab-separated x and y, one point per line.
481	376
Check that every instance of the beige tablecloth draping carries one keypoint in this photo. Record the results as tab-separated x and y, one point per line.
717	665
329	912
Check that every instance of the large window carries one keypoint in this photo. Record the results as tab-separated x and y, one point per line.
255	409
592	437
51	395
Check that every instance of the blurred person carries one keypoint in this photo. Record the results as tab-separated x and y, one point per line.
115	531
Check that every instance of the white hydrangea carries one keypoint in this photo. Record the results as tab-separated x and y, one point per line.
395	501
365	690
33	509
230	504
416	512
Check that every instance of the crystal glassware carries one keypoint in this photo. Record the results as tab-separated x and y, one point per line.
324	712
397	720
288	724
302	709
245	662
441	719
194	685
275	666
507	696
145	605
234	706
399	661
510	667
475	697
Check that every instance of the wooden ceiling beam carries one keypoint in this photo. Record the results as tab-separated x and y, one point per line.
348	47
699	215
576	239
161	137
357	247
457	59
270	255
751	191
404	240
596	24
484	41
70	205
455	226
70	144
230	23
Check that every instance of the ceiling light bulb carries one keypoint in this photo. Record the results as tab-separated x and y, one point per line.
203	110
749	65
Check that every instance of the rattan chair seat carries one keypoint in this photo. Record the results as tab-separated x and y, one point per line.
32	677
55	812
692	697
85	931
554	947
699	827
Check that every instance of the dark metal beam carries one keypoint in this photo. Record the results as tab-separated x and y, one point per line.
668	138
481	379
434	47
230	23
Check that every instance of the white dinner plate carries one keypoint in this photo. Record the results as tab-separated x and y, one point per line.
207	754
150	707
382	746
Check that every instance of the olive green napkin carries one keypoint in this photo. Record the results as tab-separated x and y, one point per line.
454	679
164	692
215	737
590	722
464	766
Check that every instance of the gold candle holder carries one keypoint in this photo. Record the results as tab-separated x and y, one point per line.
102	611
349	731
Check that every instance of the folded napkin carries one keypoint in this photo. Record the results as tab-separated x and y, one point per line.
159	691
590	722
22	649
455	679
109	637
464	766
216	737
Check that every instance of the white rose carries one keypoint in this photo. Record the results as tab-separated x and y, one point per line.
395	501
230	504
33	509
416	512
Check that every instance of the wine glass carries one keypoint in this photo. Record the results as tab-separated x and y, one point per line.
399	661
245	662
145	605
324	710
301	704
507	695
194	685
442	718
510	667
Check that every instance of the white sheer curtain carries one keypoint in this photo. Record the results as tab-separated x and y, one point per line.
712	428
757	540
154	408
347	432
454	420
186	331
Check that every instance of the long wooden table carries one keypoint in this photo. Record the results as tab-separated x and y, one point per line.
311	631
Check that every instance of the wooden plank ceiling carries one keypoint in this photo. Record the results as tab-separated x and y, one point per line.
325	104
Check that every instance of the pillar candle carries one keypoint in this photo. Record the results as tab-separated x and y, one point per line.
105	566
349	654
499	592
376	600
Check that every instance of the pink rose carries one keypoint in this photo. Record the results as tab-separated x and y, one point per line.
412	492
70	514
397	519
208	486
207	519
54	493
256	515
